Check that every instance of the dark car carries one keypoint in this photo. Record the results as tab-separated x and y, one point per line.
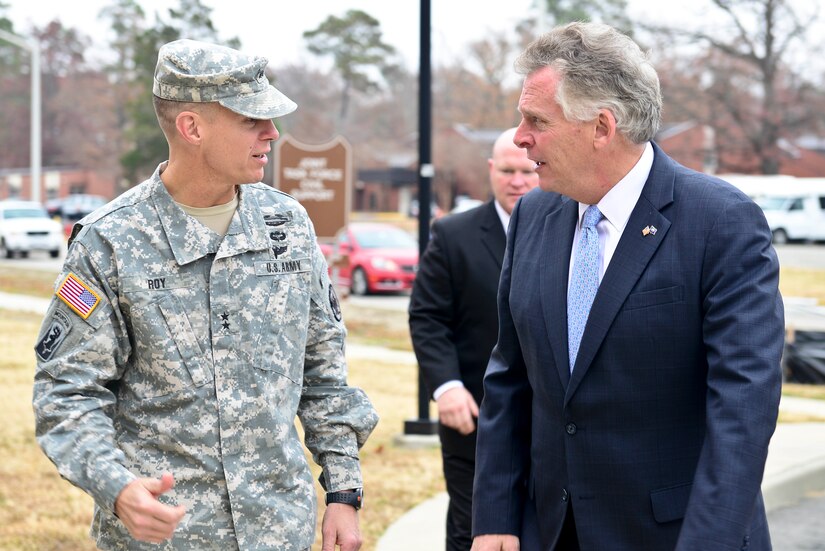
377	257
73	207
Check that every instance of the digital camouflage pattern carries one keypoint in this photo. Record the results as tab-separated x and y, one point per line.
196	361
192	71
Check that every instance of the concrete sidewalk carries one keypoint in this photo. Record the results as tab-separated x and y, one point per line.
795	466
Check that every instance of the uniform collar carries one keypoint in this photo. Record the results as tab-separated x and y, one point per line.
190	240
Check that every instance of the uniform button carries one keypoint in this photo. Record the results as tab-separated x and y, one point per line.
564	495
571	428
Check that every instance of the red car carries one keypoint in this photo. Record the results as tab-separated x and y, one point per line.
378	258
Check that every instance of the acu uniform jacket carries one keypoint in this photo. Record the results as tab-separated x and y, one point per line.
169	348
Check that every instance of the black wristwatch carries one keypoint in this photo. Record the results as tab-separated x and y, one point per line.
353	497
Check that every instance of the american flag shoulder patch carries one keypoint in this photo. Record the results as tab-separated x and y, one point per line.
78	296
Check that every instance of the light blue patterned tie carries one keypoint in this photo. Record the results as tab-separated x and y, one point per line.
584	281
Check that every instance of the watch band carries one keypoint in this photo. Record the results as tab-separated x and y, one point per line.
354	498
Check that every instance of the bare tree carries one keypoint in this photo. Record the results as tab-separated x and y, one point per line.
754	95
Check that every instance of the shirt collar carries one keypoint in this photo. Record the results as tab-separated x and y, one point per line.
618	203
503	216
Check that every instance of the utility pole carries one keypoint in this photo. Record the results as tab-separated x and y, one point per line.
424	425
35	160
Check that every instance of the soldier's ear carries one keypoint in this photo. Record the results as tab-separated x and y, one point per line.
187	123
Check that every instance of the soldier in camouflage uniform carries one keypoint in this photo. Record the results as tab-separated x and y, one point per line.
192	321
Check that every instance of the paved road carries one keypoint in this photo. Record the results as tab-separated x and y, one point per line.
799	527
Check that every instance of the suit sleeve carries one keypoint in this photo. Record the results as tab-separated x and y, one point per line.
504	425
743	331
432	309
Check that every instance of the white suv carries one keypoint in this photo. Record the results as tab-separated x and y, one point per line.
25	226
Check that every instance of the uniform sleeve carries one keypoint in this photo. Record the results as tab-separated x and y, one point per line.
743	331
337	418
79	351
432	315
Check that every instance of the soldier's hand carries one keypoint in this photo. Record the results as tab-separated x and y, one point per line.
340	526
146	518
457	409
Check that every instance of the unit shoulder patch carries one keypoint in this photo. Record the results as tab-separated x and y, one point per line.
54	336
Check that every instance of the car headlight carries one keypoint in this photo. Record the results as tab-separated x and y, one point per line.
380	263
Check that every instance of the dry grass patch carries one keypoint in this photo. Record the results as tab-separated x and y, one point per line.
38	510
795	417
395	479
802	282
38	283
376	326
816	392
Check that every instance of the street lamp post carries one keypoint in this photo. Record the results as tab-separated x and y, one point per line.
34	48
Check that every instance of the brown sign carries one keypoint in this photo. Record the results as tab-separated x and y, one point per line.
320	178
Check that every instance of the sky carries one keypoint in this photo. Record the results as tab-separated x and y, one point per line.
273	28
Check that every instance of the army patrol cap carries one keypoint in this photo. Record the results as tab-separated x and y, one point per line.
200	72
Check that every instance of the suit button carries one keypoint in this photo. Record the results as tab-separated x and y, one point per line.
571	428
564	495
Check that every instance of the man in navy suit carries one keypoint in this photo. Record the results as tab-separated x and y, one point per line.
453	320
655	435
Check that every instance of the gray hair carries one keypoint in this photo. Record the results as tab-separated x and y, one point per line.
599	68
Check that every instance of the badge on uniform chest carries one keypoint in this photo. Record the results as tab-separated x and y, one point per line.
282	267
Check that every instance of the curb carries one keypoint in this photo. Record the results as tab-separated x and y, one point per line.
789	487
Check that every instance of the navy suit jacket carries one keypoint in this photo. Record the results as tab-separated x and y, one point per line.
453	321
659	437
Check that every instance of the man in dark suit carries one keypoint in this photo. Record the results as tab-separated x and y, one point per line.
453	320
635	414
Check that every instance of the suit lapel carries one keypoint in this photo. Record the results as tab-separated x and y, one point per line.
556	245
492	234
629	261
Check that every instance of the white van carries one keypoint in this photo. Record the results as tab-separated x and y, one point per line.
794	207
791	217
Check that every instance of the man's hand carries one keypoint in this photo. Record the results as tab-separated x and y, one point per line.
340	526
457	410
146	518
496	542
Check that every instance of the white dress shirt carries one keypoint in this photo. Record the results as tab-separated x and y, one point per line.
616	207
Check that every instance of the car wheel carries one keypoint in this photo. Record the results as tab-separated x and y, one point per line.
6	253
55	253
24	254
780	236
359	285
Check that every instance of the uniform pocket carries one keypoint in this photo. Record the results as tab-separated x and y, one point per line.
282	333
167	356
